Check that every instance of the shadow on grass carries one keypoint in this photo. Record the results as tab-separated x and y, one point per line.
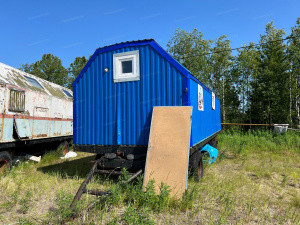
70	168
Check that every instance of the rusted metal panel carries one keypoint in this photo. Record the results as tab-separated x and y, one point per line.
22	128
69	127
39	126
38	113
1	127
7	130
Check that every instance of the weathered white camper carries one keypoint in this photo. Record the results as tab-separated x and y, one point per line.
32	110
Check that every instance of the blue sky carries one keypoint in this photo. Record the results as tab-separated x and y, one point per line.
68	29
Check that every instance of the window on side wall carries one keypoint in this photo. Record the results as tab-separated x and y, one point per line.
126	66
16	100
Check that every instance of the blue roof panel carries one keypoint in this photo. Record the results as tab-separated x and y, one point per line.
151	42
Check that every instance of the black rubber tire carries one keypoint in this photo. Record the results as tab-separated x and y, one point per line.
63	148
214	142
196	166
5	161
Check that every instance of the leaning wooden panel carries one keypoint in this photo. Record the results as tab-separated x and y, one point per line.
168	148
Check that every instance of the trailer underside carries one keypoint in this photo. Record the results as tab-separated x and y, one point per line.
132	157
20	143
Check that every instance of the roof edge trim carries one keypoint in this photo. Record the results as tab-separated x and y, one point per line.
177	65
106	49
184	71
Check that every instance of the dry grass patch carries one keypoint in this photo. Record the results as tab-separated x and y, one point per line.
249	184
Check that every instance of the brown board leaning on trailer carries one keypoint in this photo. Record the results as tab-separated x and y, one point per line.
168	148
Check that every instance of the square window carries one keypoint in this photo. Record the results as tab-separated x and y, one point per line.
16	100
126	66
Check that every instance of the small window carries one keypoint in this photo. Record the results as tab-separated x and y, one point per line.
126	66
67	93
16	100
34	82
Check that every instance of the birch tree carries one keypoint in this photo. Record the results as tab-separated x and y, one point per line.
220	74
191	50
294	57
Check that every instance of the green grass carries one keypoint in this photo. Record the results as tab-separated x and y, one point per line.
256	179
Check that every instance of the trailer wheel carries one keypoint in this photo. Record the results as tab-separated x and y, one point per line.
63	148
196	165
5	162
214	142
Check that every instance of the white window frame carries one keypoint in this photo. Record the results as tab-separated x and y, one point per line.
213	101
118	58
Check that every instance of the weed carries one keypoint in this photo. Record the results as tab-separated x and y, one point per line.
49	157
15	197
63	212
284	180
29	194
25	221
222	155
7	205
189	198
296	202
136	216
164	197
149	197
24	202
113	221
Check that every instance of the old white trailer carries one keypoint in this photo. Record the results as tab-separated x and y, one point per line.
32	110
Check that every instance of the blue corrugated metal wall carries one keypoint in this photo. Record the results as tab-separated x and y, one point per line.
108	113
204	123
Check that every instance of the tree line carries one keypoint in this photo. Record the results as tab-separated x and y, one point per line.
51	69
260	83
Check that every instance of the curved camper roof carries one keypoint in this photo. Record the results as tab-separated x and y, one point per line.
18	78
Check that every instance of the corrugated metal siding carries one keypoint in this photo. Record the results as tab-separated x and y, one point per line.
204	123
108	113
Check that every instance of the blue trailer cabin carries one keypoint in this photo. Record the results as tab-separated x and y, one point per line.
116	91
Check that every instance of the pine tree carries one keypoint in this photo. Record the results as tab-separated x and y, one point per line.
294	58
270	98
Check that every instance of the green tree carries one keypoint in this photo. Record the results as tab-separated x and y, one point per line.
75	68
270	99
191	50
27	68
246	67
49	68
294	58
210	62
221	78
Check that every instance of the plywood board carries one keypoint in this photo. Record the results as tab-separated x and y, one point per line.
168	148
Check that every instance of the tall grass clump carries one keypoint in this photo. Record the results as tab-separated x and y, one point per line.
135	195
256	140
142	203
